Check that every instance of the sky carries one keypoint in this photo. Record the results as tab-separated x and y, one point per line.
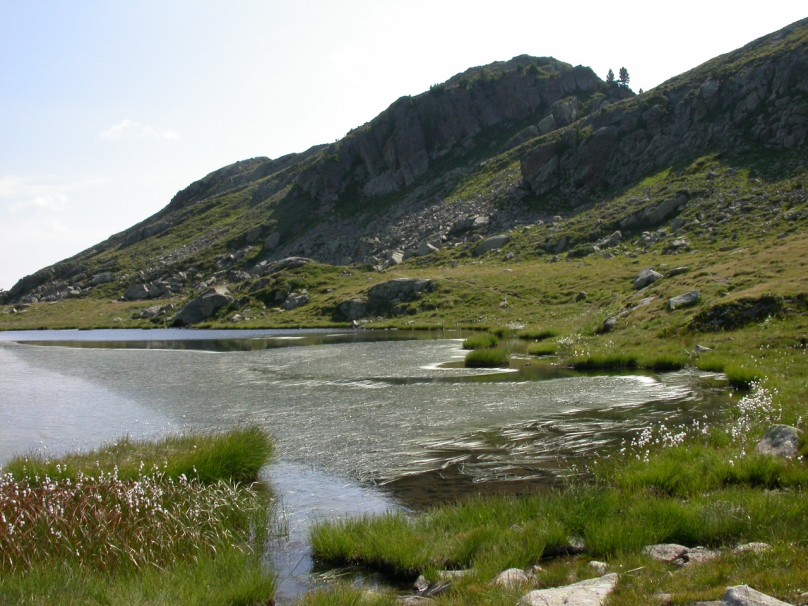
108	108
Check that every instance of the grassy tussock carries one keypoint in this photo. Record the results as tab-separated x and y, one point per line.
236	456
538	334
664	363
614	361
542	349
483	341
146	534
486	358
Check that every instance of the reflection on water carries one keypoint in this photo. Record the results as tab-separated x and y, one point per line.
363	421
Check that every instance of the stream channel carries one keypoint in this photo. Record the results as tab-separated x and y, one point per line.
364	421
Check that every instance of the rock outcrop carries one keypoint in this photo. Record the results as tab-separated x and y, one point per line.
755	96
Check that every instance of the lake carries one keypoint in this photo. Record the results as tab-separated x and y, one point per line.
364	421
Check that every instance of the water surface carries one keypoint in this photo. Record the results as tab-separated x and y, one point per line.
364	421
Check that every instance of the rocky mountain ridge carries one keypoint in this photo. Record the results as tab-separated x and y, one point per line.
530	141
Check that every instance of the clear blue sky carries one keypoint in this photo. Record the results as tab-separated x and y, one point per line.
108	108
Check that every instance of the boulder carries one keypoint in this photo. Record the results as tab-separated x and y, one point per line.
677	246
295	300
137	292
238	275
395	291
395	257
489	244
285	264
609	241
592	592
780	441
272	241
426	248
699	555
752	548
202	308
470	223
105	277
352	310
665	552
686	300
513	577
645	277
743	595
665	209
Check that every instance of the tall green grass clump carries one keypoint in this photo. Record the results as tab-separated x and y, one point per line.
483	341
741	377
486	358
538	334
542	349
664	363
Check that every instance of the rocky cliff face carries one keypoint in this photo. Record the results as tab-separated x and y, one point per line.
497	147
397	148
756	96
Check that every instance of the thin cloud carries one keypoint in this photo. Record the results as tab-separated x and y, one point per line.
19	195
130	129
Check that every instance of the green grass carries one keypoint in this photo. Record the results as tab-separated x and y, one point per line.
127	524
486	358
498	533
235	456
741	377
538	334
483	341
605	362
542	349
664	363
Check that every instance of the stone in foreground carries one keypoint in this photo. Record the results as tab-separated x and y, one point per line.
592	592
780	441
743	595
513	577
665	552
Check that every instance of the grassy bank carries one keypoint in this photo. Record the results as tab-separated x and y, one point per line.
693	485
174	521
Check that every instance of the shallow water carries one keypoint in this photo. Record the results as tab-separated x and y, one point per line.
363	421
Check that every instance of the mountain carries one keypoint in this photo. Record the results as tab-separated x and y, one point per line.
532	154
